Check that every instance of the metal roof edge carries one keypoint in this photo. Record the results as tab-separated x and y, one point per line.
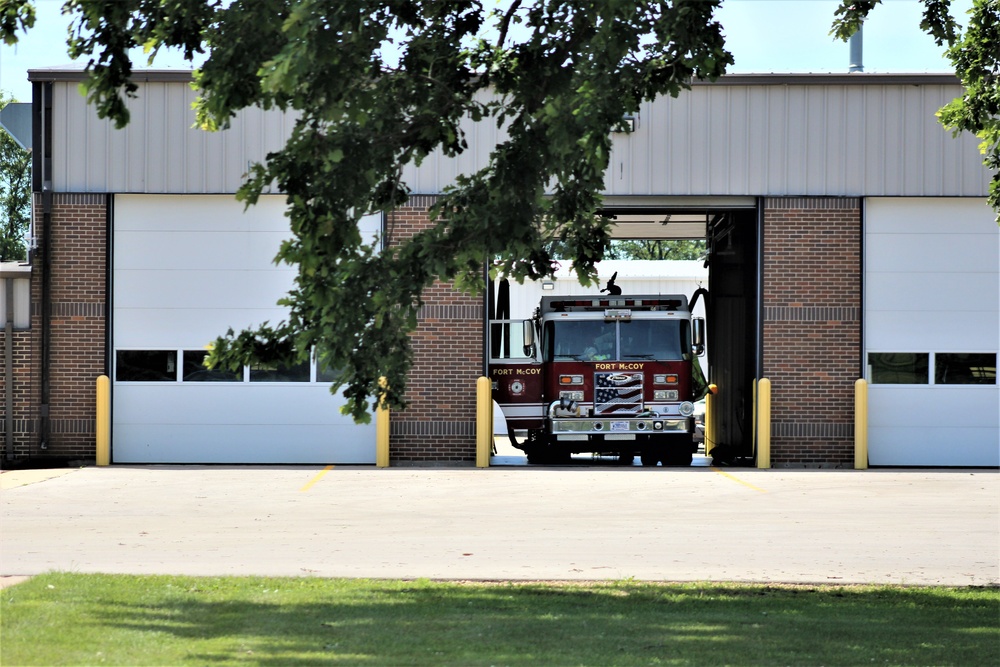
825	79
64	74
15	269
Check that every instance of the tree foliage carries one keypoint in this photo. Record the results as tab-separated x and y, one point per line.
657	249
15	194
975	54
375	86
362	115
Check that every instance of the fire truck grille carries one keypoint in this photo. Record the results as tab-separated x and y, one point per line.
617	393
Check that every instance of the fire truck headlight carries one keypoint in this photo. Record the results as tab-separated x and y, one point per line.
686	408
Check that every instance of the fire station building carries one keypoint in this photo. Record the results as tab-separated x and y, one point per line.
849	238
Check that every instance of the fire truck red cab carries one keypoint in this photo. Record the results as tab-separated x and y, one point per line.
611	375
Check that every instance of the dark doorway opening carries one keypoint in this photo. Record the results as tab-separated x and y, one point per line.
731	309
733	332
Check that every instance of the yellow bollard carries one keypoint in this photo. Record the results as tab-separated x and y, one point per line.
484	421
710	419
764	423
103	425
382	431
753	418
861	425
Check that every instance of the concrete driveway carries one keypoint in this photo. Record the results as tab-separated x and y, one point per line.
564	523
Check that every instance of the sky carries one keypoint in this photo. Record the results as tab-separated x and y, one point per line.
763	36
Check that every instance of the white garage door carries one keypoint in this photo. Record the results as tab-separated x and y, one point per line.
186	269
932	332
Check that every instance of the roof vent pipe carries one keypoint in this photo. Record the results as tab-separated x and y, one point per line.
857	56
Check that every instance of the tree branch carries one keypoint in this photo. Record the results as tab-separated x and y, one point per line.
505	23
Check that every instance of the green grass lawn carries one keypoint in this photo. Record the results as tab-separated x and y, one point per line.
72	619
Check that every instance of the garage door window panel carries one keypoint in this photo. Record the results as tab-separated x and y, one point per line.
899	367
965	368
195	370
275	372
146	366
326	374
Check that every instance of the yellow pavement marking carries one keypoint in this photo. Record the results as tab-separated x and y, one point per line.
737	479
315	479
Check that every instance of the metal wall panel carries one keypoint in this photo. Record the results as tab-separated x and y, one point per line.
866	139
22	301
634	277
159	152
811	136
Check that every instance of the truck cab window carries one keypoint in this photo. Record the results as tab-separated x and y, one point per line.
652	339
574	340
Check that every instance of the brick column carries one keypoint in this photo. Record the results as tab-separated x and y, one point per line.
23	390
812	327
77	332
439	425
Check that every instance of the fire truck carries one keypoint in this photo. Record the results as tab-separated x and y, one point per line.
612	375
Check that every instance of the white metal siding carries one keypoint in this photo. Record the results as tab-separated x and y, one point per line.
159	151
22	302
932	285
634	277
816	140
186	268
820	140
824	139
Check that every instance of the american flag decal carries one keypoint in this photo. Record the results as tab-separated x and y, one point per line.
617	393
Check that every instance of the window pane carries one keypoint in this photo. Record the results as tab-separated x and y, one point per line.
652	339
579	340
195	371
146	366
899	367
507	339
961	368
275	372
326	374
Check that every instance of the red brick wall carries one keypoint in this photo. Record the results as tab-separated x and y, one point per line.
812	327
440	423
77	348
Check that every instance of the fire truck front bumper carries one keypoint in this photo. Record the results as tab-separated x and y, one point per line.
584	428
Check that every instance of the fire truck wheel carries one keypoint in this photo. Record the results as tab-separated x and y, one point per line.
677	458
546	455
649	458
626	458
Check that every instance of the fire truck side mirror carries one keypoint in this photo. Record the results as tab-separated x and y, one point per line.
528	338
698	335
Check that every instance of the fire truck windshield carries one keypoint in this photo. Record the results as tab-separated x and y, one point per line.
596	340
654	339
